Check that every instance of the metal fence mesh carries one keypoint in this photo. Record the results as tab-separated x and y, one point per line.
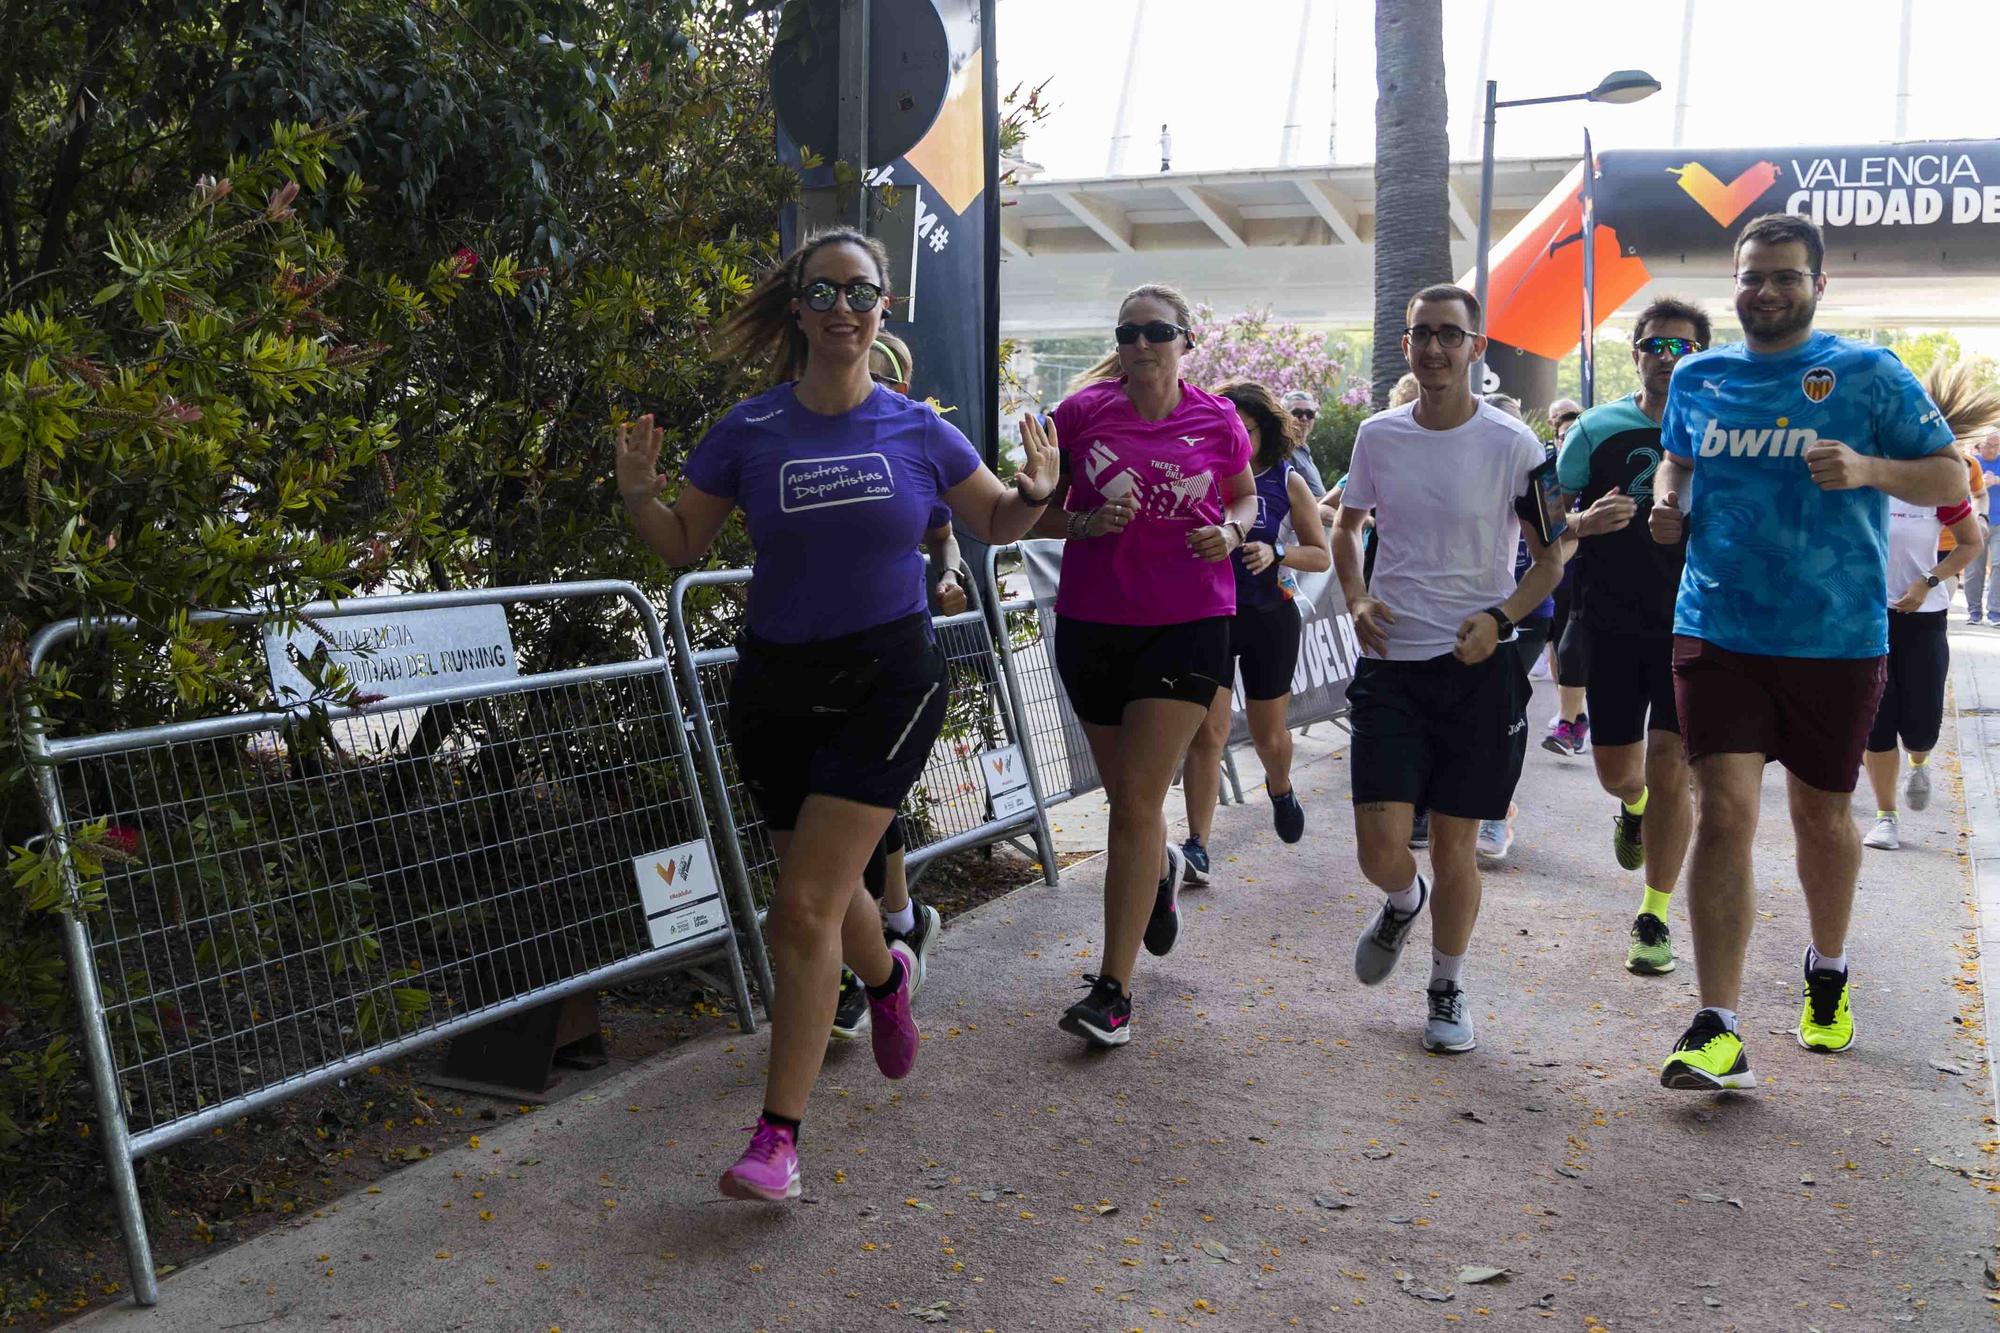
274	905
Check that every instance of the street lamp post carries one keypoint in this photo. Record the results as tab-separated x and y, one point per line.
1619	86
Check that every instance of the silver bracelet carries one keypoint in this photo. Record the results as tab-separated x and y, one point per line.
1079	523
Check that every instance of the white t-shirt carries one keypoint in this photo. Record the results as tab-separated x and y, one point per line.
1445	524
1913	551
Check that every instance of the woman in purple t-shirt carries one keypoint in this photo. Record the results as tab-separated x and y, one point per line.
839	689
1157	493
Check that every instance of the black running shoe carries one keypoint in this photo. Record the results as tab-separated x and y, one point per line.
1420	830
1288	816
920	938
850	1014
1628	838
1103	1017
1165	925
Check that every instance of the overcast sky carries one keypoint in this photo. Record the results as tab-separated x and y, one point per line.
1220	73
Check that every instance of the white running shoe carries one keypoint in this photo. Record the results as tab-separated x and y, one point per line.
1917	787
1883	837
1496	838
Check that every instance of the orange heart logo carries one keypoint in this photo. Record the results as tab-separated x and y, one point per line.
1726	203
665	872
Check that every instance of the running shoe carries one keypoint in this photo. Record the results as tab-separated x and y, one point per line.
1449	1027
768	1168
850	1012
1420	831
1103	1017
1628	838
1652	950
1381	944
1917	787
1972	619
1886	835
1708	1058
920	938
1496	838
1288	817
1825	1022
1561	739
1196	858
1164	927
894	1027
1579	734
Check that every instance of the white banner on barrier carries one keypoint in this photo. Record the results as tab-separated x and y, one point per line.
1004	770
1010	803
399	652
678	890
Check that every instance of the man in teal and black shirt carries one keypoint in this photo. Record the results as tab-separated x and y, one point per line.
1629	581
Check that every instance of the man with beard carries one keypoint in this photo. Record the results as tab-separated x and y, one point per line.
1439	716
1786	447
1629	581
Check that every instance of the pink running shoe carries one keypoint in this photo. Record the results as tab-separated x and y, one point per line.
768	1168
891	1025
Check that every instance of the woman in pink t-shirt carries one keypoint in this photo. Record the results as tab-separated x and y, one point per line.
1155	493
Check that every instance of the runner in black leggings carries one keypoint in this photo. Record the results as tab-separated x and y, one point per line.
839	688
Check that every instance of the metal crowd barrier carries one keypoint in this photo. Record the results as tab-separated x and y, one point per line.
1063	767
288	896
946	812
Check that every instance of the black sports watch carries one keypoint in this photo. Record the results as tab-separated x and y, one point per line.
1277	553
1500	618
1930	580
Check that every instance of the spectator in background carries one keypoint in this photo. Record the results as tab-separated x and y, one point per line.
1976	572
1304	409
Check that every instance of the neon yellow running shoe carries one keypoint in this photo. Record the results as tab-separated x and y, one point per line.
1628	838
1708	1058
1825	1023
1652	950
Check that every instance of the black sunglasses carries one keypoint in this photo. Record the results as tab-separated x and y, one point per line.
1303	414
1673	347
861	296
1156	331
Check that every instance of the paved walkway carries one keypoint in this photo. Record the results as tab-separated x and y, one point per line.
1274	1149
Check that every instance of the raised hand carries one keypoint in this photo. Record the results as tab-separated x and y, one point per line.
1036	477
638	463
1614	510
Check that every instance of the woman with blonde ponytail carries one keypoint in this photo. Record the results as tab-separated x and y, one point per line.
839	689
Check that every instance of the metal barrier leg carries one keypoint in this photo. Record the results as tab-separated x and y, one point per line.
1235	778
96	1036
1045	841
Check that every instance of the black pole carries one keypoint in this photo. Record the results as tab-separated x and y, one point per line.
989	78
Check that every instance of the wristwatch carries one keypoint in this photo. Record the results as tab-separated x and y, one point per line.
1930	580
1277	553
1500	619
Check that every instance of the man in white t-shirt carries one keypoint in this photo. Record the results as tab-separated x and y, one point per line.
1439	717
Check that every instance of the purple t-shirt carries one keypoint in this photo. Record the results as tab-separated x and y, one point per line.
836	506
1176	470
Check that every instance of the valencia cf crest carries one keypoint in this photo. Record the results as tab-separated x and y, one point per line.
1818	383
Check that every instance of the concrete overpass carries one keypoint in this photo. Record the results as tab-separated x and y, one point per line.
1300	240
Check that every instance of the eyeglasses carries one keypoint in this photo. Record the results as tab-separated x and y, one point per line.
1156	331
1672	348
1303	414
861	296
1449	336
1784	279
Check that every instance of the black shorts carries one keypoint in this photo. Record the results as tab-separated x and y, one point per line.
875	875
1440	735
1631	689
1105	667
1573	654
1265	641
852	717
1912	707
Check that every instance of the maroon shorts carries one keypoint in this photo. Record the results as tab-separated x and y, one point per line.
1810	714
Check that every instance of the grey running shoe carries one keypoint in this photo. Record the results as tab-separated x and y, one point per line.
1883	837
1496	838
1420	830
1449	1027
1917	787
1381	944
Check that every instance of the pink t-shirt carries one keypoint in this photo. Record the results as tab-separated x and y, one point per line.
1177	471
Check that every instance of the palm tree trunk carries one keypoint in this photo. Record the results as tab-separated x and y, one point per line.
1412	222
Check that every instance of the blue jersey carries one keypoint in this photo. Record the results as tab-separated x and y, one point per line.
1776	566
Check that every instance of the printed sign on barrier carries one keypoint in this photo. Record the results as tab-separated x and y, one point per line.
398	652
1004	770
679	891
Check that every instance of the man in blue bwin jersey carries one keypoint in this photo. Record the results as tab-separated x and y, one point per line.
1785	448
